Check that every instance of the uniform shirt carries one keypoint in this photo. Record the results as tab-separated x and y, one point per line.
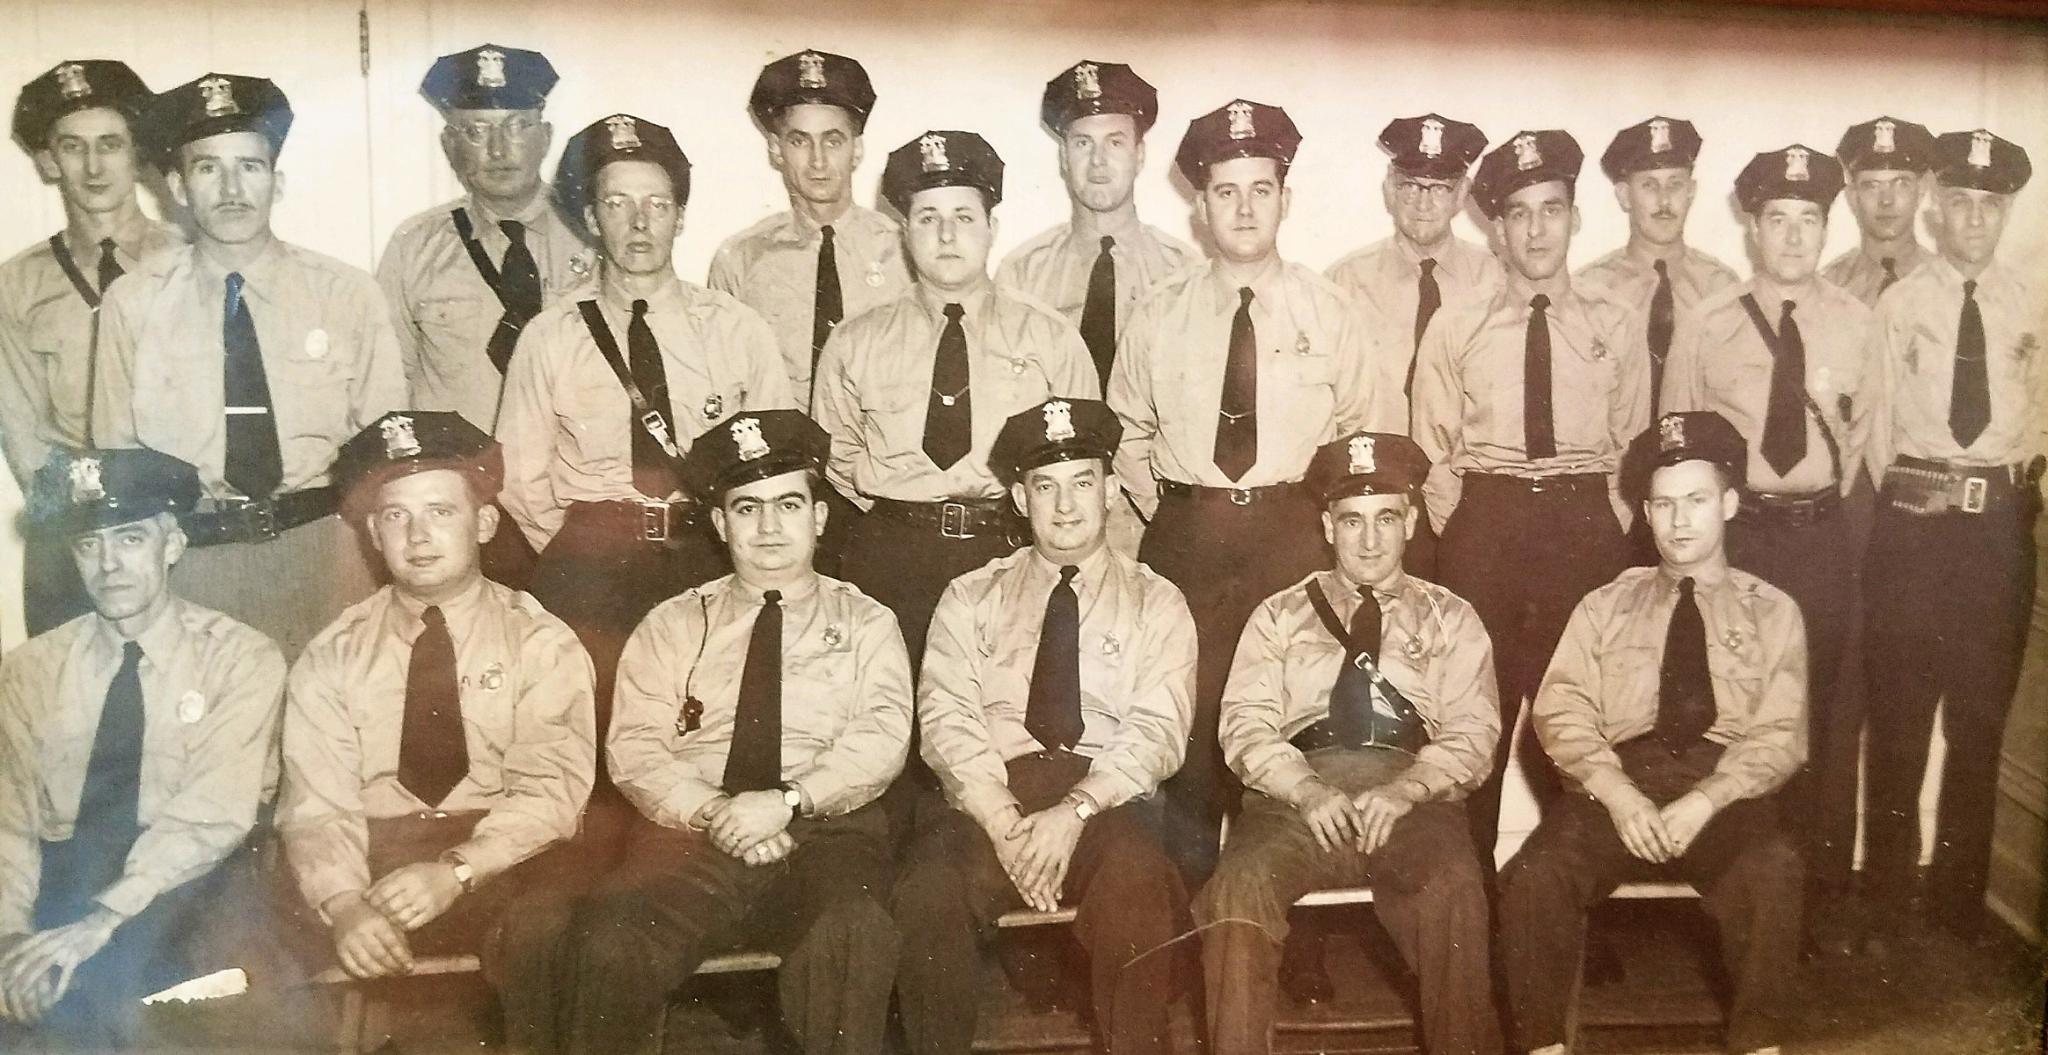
1863	274
1915	346
772	267
445	312
846	703
566	424
46	335
1055	264
1469	387
1137	661
1632	279
329	356
1601	688
211	691
1385	279
528	723
1719	362
1432	648
1314	381
874	386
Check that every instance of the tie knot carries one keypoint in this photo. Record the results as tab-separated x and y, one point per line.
1108	242
1890	264
1969	288
106	247
513	229
1539	302
131	653
234	284
771	598
432	616
1685	589
1662	270
639	308
1428	266
825	233
1789	305
1244	296
953	312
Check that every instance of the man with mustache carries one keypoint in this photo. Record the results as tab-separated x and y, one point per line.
251	358
1887	160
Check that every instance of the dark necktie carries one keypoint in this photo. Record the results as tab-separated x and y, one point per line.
1969	401
432	755
113	773
1685	691
1539	430
653	469
1052	714
1660	333
1428	297
110	268
1237	420
253	465
1891	273
754	762
827	305
1784	443
1351	710
949	413
1098	312
518	293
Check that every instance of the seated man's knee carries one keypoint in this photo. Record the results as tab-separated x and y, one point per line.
857	922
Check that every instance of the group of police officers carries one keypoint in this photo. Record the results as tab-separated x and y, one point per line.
867	677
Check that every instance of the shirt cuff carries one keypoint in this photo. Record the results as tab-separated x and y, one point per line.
1108	788
986	803
683	802
1282	779
489	856
1437	784
129	895
1606	783
1720	789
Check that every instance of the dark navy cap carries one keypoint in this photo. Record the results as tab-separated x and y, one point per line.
942	159
213	105
1367	463
85	490
71	86
1089	88
1695	435
620	137
1526	159
812	77
1658	143
1057	430
489	77
1981	161
751	446
1799	172
404	442
1432	146
1886	143
1238	129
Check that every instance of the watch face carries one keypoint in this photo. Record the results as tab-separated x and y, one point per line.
792	798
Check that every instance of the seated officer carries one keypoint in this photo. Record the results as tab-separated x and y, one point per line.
1357	758
438	736
1056	696
759	717
1676	704
133	747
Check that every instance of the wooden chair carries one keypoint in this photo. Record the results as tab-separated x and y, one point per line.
1642	890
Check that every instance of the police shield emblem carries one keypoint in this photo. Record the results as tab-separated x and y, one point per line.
1432	145
810	70
1087	81
625	132
1660	136
1059	421
747	440
71	82
400	441
1527	156
1241	120
1796	168
1884	137
1980	149
85	481
219	97
1670	433
931	153
1364	459
490	68
714	405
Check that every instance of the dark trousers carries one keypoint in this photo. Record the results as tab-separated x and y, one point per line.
676	900
1130	904
1524	553
1947	599
840	517
906	566
1426	889
1226	559
51	593
1745	867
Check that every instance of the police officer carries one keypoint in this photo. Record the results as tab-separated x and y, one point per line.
1227	377
1524	403
914	391
1056	695
1782	357
1360	711
252	359
1676	705
76	121
759	717
1950	574
134	743
1656	273
1887	161
438	736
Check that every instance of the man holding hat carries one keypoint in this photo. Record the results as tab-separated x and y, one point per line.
1524	403
134	746
1676	706
1055	697
1949	580
77	123
759	717
252	359
1360	711
1227	377
1886	159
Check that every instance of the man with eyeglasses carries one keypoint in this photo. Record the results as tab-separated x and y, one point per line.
1888	160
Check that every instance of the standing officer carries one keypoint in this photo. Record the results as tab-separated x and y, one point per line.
1783	358
759	717
253	359
134	742
1360	711
1055	697
1524	403
1950	573
438	736
1656	273
913	392
1227	378
1886	159
76	121
1676	705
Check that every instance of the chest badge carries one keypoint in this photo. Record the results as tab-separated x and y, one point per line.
874	275
1301	345
1017	366
834	635
714	405
1599	351
579	265
316	344
2027	346
1733	637
1413	650
1111	646
493	678
191	706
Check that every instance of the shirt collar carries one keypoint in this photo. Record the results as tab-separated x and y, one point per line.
796	591
257	274
971	301
132	238
159	640
1709	578
531	215
798	228
1093	569
1387	597
458	611
1264	284
670	295
1516	291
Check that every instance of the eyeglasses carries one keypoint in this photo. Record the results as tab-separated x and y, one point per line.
656	206
1411	191
478	133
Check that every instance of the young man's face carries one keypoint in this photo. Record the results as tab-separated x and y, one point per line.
771	526
816	147
92	158
1068	505
497	153
127	568
1369	534
230	183
1884	202
1536	226
1688	508
1242	205
950	233
1657	201
1100	156
430	528
636	215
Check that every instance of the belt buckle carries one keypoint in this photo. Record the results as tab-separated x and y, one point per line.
257	519
1240	496
655	521
1976	494
953	520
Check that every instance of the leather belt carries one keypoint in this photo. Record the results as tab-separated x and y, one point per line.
1322	735
1795	510
1237	496
243	520
648	519
1564	483
957	518
1926	487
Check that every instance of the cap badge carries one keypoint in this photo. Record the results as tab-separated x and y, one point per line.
1432	145
1796	170
1660	136
1527	156
931	152
1670	433
1363	458
85	481
747	438
1087	81
625	132
1980	149
1884	137
71	81
810	70
490	68
1241	120
219	96
1059	421
400	441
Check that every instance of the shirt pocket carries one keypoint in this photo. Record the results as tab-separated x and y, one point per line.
1631	672
1735	661
61	363
454	325
817	669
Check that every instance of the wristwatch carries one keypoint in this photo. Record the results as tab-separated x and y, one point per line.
1084	807
464	874
792	798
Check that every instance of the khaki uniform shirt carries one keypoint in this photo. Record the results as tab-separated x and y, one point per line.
528	723
1315	382
444	311
1601	688
1863	275
567	424
772	267
1632	279
1055	264
846	702
46	343
1432	648
1385	278
211	692
1137	660
874	386
329	355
